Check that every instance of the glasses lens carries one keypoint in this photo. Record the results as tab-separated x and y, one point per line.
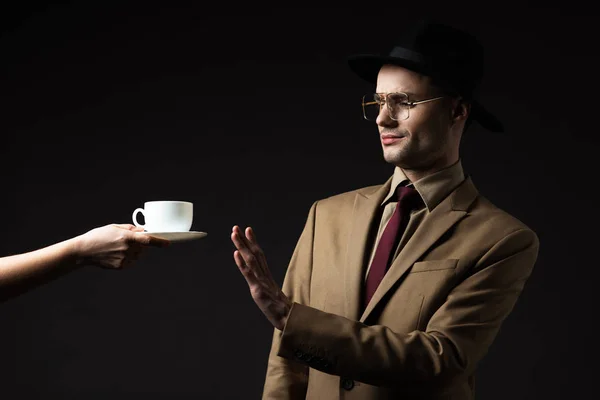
371	105
398	106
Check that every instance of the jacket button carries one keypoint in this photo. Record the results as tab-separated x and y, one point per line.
299	354
347	383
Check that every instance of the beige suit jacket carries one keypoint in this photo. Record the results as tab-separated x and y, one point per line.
432	318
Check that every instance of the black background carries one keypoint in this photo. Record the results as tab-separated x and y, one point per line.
252	114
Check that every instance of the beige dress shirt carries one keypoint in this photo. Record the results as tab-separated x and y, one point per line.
432	189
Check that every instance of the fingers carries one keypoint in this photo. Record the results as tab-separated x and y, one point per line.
242	247
237	238
251	237
126	262
241	238
248	239
131	256
244	269
129	227
251	252
149	240
134	253
250	234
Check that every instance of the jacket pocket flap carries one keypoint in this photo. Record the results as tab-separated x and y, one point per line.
434	265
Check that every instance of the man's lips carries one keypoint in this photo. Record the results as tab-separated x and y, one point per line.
390	138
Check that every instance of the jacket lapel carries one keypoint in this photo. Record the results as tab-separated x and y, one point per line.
451	210
366	205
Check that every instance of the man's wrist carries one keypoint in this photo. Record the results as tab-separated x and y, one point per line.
285	314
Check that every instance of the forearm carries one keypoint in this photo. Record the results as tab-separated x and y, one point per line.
20	272
371	354
285	379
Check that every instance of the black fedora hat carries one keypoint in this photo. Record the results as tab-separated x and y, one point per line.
453	58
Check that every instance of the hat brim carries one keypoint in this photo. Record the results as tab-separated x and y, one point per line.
367	67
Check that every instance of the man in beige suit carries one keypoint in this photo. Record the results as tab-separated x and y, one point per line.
455	266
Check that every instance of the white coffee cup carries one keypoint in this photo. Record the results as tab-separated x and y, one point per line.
165	216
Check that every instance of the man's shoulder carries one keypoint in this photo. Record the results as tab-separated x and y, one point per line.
347	197
487	214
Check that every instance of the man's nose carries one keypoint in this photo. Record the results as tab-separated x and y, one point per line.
383	118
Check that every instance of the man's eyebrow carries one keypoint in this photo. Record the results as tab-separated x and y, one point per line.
399	91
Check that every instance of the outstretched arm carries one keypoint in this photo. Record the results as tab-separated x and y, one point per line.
285	379
110	246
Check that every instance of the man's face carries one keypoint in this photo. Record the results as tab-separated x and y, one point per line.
422	141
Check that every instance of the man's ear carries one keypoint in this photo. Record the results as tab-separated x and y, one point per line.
462	110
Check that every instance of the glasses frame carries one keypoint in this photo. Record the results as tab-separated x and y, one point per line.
409	104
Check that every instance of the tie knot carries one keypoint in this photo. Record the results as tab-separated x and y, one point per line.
408	197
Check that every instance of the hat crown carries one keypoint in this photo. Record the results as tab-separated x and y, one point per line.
452	56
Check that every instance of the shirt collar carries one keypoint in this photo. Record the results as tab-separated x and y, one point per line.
432	188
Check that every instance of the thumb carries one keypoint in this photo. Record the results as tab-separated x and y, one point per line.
129	227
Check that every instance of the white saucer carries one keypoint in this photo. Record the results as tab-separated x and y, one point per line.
178	236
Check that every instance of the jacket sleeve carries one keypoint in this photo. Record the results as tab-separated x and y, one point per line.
288	379
457	336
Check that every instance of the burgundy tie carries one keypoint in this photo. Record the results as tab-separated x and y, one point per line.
408	199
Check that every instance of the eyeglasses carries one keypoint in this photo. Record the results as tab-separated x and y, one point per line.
398	105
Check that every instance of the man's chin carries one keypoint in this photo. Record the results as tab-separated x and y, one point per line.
400	159
392	157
